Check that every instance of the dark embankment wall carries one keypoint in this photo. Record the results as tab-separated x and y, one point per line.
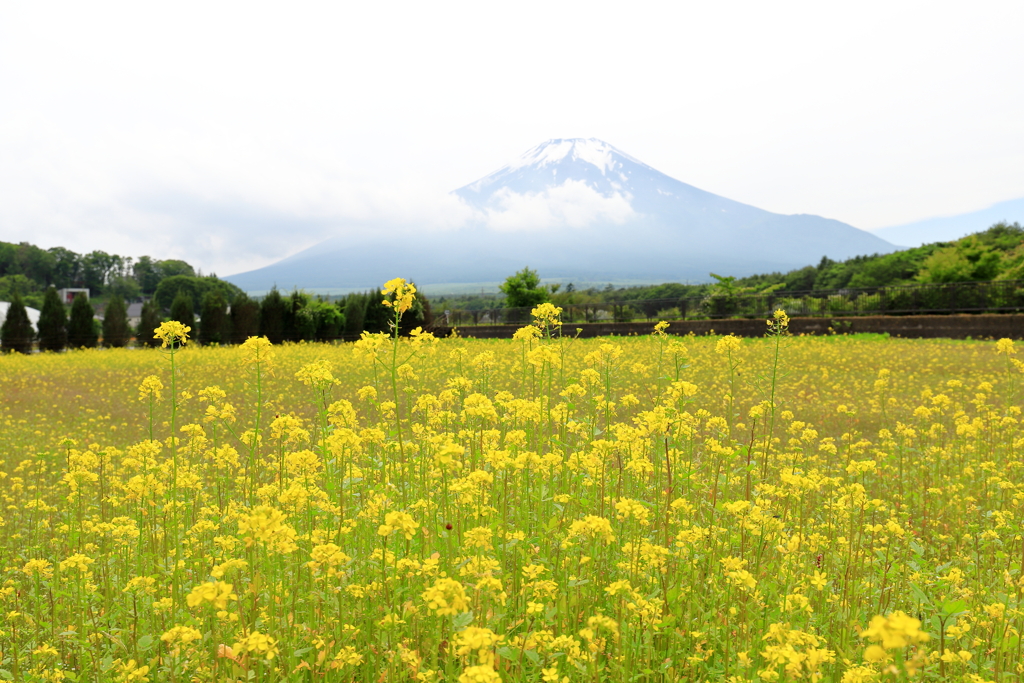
910	326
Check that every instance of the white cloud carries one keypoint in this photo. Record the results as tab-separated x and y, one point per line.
232	134
573	204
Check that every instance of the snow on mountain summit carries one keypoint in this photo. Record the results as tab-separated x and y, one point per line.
592	151
597	164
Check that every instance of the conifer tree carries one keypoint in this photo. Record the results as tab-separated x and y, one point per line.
272	314
116	331
245	318
377	317
149	320
53	322
292	305
355	313
81	329
213	323
16	333
182	310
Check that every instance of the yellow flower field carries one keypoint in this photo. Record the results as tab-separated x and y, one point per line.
538	509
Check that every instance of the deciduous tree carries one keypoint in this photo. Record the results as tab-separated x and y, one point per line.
523	289
183	310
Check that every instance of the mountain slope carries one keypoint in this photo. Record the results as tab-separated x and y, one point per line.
576	210
948	228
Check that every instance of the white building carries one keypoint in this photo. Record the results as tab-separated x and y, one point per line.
67	295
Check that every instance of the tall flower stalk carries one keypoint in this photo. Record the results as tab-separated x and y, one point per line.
778	327
173	336
399	296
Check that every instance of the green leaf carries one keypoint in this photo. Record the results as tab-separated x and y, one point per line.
951	608
506	652
144	643
70	675
532	656
6	675
461	621
578	582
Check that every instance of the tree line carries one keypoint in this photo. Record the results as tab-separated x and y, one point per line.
994	254
225	317
29	270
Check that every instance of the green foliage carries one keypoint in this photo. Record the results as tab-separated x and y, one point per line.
125	287
81	330
116	332
147	274
97	267
35	264
9	284
245	318
53	322
195	287
995	253
523	290
312	319
984	256
174	268
183	310
330	319
16	334
149	320
298	323
273	310
723	297
214	326
377	317
355	313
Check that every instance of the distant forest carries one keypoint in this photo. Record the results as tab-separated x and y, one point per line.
993	254
222	313
29	270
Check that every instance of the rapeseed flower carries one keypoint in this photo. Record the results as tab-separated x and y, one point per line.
172	334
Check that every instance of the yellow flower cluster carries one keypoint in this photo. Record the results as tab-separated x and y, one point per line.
172	334
399	295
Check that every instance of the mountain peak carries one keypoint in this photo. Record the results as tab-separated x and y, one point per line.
582	210
589	150
593	162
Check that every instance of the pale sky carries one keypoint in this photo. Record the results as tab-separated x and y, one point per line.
233	134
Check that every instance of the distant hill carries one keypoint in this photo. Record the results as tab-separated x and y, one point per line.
948	228
993	254
577	210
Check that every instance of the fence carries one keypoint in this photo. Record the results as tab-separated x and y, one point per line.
1006	296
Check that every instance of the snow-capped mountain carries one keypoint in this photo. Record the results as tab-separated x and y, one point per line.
581	210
